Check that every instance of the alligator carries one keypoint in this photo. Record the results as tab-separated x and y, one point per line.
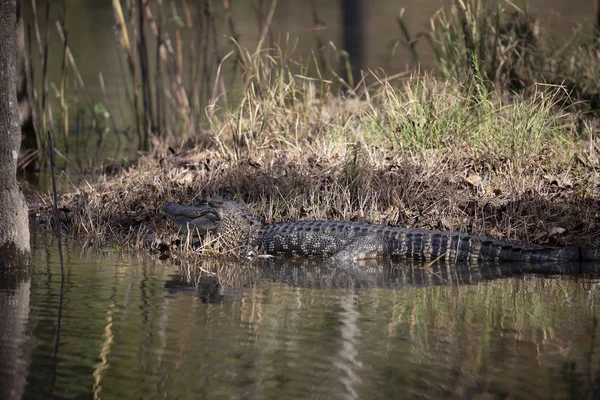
240	231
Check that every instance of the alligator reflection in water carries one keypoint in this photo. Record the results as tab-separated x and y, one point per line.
231	279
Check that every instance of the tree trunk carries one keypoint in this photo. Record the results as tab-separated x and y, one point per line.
14	224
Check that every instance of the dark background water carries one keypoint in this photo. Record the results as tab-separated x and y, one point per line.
96	49
103	130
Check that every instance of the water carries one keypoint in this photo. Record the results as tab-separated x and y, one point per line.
132	327
100	58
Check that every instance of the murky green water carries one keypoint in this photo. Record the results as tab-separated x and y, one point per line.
122	327
100	59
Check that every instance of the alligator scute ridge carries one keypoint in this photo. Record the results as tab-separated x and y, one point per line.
238	229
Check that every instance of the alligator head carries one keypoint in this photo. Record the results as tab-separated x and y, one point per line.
232	222
189	219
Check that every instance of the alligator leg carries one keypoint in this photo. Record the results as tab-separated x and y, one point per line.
361	248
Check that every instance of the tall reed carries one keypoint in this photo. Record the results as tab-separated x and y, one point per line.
181	76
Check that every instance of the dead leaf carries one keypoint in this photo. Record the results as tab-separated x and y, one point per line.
490	191
496	232
474	180
186	179
556	231
562	181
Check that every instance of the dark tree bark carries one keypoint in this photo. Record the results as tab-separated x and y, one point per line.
14	227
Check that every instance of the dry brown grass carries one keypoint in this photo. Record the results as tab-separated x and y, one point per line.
416	153
434	189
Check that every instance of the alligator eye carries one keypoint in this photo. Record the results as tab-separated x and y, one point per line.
214	203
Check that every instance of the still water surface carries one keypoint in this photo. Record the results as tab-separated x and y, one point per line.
131	327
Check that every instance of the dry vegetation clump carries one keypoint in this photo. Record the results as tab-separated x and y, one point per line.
500	43
423	154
